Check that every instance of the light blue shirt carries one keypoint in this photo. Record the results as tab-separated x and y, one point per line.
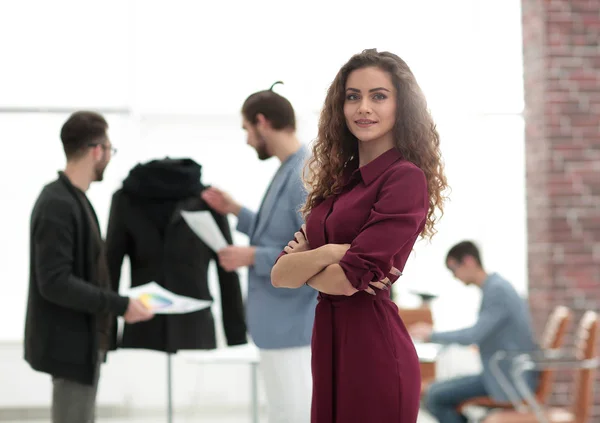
277	317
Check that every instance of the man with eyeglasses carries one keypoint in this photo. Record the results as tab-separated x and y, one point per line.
70	301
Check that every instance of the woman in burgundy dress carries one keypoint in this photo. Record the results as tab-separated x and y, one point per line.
375	181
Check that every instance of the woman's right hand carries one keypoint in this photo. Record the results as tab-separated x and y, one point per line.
299	243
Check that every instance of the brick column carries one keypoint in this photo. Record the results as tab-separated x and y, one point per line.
562	125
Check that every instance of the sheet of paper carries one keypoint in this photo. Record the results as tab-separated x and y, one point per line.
205	227
162	301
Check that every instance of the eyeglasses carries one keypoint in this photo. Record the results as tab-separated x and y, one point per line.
113	150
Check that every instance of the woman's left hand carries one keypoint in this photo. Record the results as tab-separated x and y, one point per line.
299	243
384	284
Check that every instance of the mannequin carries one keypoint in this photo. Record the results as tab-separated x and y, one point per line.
145	224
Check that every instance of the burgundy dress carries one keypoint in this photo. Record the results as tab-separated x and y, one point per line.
364	364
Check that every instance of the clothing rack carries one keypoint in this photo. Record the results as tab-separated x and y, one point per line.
169	389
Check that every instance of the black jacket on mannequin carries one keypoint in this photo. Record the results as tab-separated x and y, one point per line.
145	224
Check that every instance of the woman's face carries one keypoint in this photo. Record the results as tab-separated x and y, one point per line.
370	105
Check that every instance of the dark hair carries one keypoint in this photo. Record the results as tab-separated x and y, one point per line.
80	130
462	250
415	133
274	107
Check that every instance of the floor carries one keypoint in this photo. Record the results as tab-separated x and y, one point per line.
424	418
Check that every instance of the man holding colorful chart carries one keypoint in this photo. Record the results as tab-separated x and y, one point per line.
280	321
70	301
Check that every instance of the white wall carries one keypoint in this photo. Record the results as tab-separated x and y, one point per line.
180	76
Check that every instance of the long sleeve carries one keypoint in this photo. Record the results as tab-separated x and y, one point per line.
117	246
232	305
264	260
118	240
493	314
298	198
396	217
54	242
266	257
246	221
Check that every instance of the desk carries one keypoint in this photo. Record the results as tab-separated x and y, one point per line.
427	351
428	354
247	354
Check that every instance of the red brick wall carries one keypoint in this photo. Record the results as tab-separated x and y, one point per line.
562	125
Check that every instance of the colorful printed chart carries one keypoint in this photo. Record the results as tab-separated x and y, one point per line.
162	301
154	301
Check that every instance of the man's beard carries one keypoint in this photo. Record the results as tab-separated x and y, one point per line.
262	153
99	171
261	149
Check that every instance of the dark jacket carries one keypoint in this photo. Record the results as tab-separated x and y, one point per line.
145	224
64	299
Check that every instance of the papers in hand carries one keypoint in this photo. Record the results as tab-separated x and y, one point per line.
205	227
161	301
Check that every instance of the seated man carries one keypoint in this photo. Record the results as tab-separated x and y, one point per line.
503	324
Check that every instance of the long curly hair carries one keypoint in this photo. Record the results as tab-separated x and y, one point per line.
417	138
